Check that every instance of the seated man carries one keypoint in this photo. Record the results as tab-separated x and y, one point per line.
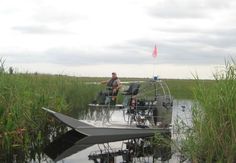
113	86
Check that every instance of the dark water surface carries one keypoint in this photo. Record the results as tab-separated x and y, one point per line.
138	150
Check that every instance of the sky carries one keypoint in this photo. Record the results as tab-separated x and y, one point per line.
95	38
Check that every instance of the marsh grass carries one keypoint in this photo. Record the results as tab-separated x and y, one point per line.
213	136
24	126
183	88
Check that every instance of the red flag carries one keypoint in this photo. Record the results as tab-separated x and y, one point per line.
154	53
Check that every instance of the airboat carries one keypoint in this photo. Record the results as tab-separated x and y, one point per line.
146	104
146	109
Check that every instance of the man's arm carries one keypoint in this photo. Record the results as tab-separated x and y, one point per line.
104	82
118	85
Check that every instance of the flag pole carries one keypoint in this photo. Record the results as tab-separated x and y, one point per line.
154	55
153	68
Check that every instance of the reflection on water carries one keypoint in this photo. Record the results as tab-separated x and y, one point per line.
74	147
135	150
37	141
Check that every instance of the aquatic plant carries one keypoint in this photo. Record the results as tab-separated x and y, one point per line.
213	136
24	126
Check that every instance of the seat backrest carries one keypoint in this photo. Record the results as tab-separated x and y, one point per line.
133	89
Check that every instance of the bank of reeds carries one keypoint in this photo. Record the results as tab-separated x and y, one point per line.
213	136
24	126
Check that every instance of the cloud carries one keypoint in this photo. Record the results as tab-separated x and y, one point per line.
191	54
77	57
23	57
39	30
50	15
178	51
187	8
187	32
174	9
202	49
218	38
215	41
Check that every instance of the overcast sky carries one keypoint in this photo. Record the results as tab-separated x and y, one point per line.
96	37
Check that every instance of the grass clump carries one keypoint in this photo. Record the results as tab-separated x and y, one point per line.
213	136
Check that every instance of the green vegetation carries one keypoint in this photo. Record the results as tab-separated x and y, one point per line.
213	136
24	126
183	88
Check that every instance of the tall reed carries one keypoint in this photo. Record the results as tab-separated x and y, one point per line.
213	136
24	126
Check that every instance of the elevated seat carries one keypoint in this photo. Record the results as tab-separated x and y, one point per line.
130	93
132	90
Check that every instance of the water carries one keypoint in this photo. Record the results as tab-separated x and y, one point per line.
144	151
